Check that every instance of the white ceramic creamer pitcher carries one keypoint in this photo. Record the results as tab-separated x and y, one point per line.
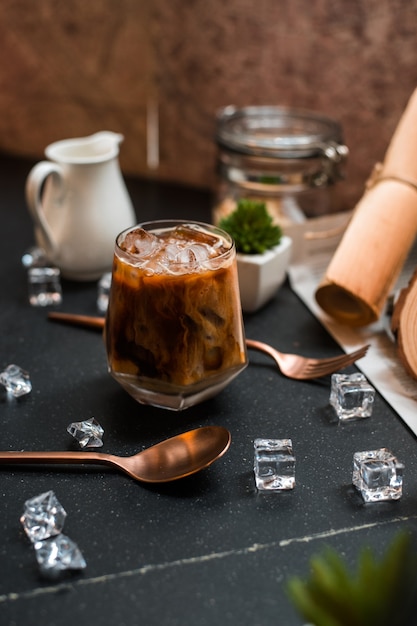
79	204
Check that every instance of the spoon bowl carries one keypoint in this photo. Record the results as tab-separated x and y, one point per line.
169	460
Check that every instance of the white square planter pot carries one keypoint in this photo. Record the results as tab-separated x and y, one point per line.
260	275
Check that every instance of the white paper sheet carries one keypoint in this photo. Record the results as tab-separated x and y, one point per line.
381	365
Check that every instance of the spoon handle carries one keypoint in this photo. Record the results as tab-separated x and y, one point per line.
87	321
58	458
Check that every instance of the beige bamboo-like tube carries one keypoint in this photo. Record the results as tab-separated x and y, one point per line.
376	243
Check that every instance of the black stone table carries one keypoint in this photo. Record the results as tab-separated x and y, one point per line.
206	550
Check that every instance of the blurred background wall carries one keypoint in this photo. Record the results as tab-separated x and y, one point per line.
157	71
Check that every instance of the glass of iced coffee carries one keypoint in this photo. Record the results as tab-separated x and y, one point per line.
174	332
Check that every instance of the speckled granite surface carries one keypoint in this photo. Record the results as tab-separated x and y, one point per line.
69	69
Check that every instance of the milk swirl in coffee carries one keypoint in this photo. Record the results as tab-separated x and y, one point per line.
174	331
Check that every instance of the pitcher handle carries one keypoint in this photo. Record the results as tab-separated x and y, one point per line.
33	191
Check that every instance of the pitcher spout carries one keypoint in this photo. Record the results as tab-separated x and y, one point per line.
101	146
108	138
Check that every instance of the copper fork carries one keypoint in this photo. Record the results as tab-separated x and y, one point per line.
304	368
291	365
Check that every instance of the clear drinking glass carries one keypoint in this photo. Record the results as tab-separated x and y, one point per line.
174	332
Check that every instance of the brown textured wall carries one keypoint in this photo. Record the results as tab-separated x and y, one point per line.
72	68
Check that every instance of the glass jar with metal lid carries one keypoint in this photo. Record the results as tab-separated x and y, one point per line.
288	158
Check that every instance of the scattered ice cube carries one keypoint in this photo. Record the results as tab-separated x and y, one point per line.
351	396
88	433
378	475
43	516
103	289
16	380
44	286
57	554
34	257
274	464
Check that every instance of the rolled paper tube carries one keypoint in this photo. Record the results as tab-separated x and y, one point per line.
371	254
376	243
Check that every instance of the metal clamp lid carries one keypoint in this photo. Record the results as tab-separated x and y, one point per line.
279	132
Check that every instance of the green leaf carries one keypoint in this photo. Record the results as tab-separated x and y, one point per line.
252	227
380	593
308	606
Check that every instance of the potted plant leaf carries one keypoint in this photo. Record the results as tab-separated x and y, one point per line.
263	252
381	592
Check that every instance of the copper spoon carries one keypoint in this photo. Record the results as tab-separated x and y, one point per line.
164	462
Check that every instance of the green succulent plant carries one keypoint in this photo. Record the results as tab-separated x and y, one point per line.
252	227
380	593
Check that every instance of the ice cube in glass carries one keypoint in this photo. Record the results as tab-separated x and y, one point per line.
351	396
44	286
377	475
274	464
